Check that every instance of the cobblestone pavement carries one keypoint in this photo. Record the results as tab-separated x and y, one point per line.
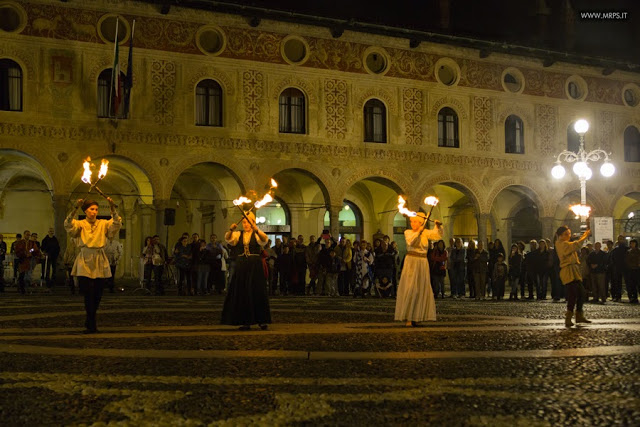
324	361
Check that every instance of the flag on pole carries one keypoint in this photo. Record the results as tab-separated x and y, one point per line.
128	82
117	84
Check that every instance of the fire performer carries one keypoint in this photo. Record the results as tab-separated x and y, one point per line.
247	302
91	266
570	273
415	302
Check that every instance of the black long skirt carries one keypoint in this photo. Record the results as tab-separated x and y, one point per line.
247	301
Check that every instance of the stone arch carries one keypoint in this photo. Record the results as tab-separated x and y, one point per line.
517	110
43	162
212	73
24	58
545	205
308	89
315	173
146	167
453	103
401	183
233	167
383	95
624	190
460	182
10	156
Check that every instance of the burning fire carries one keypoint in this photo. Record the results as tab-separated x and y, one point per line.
266	199
86	176
104	167
581	211
274	184
241	201
431	201
404	211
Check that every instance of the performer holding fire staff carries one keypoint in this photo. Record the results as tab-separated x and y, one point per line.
415	302
247	302
570	273
91	266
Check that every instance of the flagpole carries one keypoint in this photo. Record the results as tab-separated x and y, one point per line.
127	96
113	69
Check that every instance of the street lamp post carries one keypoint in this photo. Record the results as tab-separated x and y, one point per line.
581	168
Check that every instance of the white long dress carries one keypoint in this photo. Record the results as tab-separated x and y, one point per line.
415	300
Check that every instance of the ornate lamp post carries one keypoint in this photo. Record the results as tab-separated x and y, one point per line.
581	168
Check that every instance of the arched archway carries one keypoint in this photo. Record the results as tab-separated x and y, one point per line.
24	182
202	196
306	197
351	222
626	215
516	210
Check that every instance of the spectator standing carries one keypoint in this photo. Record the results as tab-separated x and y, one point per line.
284	264
479	268
362	258
632	261
3	253
215	281
51	249
332	273
499	277
557	290
458	267
35	255
515	269
203	267
597	262
543	264
619	268
471	252
155	255
438	268
530	267
182	256
113	250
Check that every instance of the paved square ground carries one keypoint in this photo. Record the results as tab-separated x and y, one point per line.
324	361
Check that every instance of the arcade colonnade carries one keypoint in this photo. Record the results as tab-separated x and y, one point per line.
37	191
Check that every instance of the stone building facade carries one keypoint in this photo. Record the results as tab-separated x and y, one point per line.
161	158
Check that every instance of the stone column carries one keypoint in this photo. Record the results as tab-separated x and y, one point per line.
145	215
508	223
128	245
61	205
482	228
548	228
161	229
334	223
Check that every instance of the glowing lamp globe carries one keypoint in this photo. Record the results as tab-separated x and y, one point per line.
607	169
588	173
558	172
581	126
579	168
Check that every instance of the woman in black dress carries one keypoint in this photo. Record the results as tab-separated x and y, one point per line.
247	302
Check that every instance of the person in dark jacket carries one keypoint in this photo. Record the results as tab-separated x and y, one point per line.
479	268
543	263
515	268
632	261
471	251
284	265
597	261
499	277
458	269
530	264
618	268
182	256
557	290
50	248
438	262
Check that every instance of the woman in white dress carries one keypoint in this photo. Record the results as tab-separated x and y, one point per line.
415	302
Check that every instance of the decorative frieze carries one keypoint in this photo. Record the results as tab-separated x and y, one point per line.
482	122
546	124
335	99
253	93
413	104
163	84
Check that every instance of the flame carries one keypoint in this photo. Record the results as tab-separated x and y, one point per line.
104	167
274	184
402	209
431	201
241	201
86	176
581	211
266	199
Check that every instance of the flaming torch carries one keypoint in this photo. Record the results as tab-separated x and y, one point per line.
86	176
241	201
402	209
582	212
431	201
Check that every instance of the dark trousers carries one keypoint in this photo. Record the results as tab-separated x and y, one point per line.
557	289
21	284
343	283
92	291
216	280
157	277
472	284
111	281
532	282
285	282
633	281
184	275
616	282
575	295
498	287
49	271
541	285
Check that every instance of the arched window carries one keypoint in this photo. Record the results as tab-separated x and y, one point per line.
631	144
514	135
375	121
208	103
292	111
350	219
10	85
573	139
448	128
111	98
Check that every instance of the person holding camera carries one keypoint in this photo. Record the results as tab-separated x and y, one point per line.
91	266
415	302
570	273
